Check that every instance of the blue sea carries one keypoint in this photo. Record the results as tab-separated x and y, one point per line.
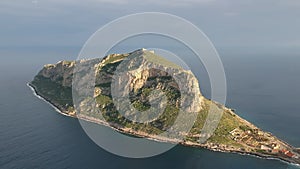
263	88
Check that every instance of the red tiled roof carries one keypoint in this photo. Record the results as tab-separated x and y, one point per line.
289	154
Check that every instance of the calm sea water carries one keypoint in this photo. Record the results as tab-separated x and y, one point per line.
263	89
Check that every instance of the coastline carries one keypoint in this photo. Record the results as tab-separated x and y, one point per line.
157	138
56	108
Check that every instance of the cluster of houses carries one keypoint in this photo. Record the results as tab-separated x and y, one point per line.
260	140
253	138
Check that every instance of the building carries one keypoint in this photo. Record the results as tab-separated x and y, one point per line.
264	147
288	153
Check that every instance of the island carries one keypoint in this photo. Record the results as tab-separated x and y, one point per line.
232	134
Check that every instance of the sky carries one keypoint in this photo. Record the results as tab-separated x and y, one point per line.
230	24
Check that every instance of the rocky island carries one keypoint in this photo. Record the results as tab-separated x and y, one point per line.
232	134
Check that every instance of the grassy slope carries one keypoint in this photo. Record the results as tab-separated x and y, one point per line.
53	92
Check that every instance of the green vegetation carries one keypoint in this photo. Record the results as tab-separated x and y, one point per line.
199	123
114	58
160	60
245	128
103	100
222	134
230	134
53	91
140	106
162	123
109	67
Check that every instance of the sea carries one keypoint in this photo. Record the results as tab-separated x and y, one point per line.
263	88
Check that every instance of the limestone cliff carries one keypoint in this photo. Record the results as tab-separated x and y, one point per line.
61	72
133	78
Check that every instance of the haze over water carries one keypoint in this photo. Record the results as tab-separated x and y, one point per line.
258	42
33	135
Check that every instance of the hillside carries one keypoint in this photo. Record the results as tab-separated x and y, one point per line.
232	134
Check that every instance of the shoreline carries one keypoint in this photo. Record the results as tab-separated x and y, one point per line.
56	108
155	138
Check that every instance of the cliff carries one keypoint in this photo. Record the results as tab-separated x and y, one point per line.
140	75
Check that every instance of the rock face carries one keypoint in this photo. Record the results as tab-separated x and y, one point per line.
61	73
139	71
140	92
127	82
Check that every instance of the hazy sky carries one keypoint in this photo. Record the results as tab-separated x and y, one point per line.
270	24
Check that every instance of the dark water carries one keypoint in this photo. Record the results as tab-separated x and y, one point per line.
263	89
